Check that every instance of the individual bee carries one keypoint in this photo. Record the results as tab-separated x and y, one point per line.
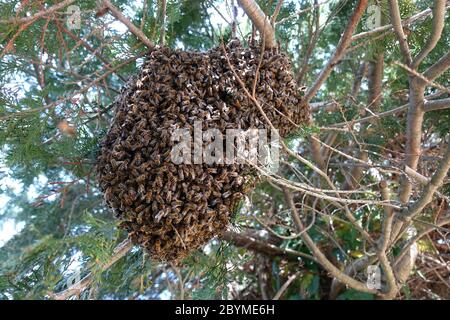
141	191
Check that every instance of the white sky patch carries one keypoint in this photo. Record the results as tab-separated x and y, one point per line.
375	173
218	22
119	27
32	192
8	226
75	263
7	184
8	229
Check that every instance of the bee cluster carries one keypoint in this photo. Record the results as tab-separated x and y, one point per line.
172	209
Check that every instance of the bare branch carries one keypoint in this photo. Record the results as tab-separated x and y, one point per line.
404	267
163	8
384	243
420	79
324	106
376	82
310	8
356	174
436	31
421	179
438	68
318	254
419	235
395	111
286	285
351	270
340	49
430	189
396	21
262	246
406	22
276	12
437	104
116	13
260	21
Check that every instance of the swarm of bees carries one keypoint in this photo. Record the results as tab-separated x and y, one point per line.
171	209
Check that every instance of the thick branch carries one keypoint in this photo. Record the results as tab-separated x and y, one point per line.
404	267
436	31
257	245
437	104
376	82
430	189
345	40
384	243
438	68
413	133
116	13
162	18
396	21
260	21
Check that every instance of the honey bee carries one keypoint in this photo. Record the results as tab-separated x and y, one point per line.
141	190
136	175
148	197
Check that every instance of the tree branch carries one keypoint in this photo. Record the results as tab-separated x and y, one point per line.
119	252
286	285
406	22
345	40
438	68
430	189
40	14
317	253
116	13
260	21
437	104
396	21
257	245
276	12
436	31
422	233
384	243
163	9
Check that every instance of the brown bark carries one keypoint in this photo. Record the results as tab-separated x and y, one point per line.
260	21
340	49
262	246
